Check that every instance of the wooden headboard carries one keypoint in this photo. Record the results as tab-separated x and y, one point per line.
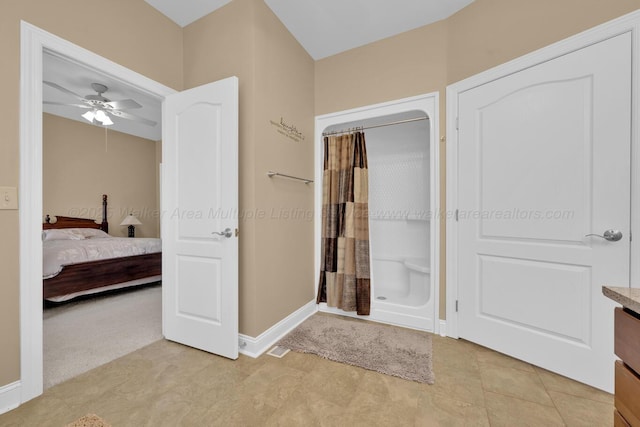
71	222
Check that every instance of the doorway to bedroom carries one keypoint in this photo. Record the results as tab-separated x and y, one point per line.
34	178
106	174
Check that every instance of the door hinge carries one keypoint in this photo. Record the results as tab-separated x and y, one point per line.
456	215
630	236
456	306
237	232
457	123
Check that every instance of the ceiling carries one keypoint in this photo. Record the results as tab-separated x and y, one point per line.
322	27
184	12
328	27
78	78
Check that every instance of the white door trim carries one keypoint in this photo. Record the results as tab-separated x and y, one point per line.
626	23
34	42
419	102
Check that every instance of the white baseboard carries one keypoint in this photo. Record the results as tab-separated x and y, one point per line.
254	347
9	397
443	328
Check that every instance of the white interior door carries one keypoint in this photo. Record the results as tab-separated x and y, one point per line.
544	160
199	217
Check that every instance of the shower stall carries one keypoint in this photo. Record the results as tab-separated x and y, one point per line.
401	141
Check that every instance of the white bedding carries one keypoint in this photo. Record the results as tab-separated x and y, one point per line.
58	253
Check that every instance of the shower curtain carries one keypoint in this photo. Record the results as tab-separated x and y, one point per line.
344	272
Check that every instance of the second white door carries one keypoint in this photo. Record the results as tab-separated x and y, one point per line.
544	170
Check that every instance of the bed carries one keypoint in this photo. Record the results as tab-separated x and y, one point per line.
80	258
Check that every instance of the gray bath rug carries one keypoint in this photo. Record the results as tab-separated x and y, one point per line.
404	353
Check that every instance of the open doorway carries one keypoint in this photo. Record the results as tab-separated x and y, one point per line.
92	319
35	43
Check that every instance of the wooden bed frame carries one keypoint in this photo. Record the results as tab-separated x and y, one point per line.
97	274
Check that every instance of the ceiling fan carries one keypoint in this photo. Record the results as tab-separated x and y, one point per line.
100	107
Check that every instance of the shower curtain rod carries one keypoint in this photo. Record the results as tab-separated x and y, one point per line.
357	128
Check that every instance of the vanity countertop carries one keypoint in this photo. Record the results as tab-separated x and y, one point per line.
628	297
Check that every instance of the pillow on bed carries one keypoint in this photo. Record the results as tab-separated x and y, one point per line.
90	233
61	234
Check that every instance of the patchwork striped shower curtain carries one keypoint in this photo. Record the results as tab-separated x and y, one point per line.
344	272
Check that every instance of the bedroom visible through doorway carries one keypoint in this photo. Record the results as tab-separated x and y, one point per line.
34	43
81	332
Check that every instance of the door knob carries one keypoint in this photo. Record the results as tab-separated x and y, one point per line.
226	233
610	235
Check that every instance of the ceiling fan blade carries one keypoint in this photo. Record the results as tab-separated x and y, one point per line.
125	104
66	105
130	116
62	89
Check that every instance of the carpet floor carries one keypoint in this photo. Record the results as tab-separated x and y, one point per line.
83	335
391	350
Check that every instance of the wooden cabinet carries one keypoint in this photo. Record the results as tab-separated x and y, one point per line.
627	378
618	421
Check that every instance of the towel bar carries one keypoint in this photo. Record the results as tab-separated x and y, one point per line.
271	174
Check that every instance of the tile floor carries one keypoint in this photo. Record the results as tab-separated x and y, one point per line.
166	384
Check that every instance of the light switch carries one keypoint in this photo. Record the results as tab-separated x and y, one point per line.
8	198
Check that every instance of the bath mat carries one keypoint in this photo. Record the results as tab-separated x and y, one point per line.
404	353
90	420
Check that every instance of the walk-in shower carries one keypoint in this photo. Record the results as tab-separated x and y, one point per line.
399	139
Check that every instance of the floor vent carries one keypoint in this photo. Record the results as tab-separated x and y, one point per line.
278	352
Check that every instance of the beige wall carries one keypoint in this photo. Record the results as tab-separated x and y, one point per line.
245	39
128	32
483	35
284	237
490	32
408	64
79	165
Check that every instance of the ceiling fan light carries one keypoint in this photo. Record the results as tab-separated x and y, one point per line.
100	115
89	115
107	121
103	118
